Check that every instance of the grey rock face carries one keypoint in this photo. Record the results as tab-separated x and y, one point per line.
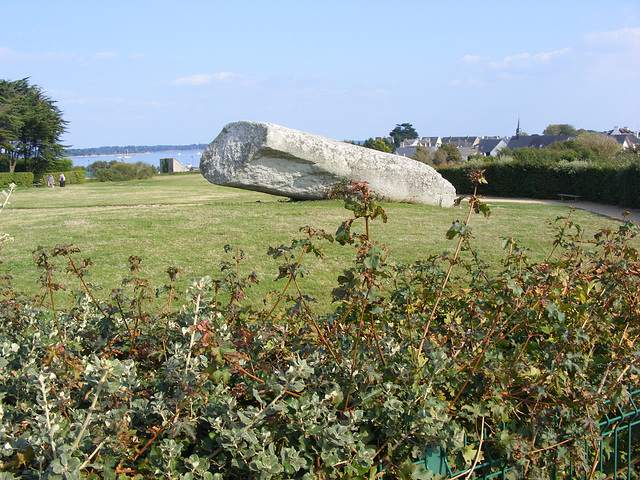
269	158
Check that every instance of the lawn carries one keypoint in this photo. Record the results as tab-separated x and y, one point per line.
184	221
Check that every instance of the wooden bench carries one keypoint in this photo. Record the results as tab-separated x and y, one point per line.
564	196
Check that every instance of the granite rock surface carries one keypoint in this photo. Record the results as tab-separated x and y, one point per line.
281	161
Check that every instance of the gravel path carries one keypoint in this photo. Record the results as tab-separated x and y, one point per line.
611	211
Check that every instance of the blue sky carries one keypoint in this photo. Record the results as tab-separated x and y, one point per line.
167	72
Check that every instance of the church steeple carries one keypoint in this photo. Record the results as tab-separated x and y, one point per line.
518	129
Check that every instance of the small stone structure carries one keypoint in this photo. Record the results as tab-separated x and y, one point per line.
171	165
282	161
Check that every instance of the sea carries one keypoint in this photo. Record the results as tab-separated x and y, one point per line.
188	158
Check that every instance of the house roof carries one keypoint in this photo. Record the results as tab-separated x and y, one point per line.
469	141
466	152
620	131
536	141
630	138
487	145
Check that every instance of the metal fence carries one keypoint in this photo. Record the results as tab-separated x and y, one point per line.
618	443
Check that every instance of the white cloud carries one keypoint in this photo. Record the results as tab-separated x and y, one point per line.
7	55
376	93
203	79
612	55
527	60
470	82
106	56
11	56
472	59
626	38
476	82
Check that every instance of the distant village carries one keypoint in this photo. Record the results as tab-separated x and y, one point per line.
491	146
468	146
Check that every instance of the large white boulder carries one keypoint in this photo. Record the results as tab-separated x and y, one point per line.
282	161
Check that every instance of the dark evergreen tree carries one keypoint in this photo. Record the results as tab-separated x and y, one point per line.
402	132
31	126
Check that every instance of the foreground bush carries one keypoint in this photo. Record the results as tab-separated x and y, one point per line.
428	354
120	171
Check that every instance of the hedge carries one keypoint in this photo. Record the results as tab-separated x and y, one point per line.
602	184
514	370
21	179
72	177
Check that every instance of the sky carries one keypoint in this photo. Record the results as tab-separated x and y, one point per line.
140	72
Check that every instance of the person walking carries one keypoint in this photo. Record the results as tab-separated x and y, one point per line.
50	181
63	180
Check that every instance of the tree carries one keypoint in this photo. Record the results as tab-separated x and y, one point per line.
10	119
402	132
560	129
423	155
449	153
378	144
601	145
30	127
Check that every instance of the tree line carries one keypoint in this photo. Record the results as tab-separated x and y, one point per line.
130	149
31	127
587	145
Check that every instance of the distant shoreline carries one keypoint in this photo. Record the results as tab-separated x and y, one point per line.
133	153
119	154
131	149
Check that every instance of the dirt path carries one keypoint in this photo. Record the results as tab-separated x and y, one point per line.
611	211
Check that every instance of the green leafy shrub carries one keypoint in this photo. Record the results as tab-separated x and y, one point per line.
120	171
432	354
20	179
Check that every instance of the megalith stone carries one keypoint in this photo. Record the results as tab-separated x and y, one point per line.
272	159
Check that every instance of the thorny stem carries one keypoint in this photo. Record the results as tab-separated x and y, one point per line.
90	412
313	320
193	333
84	285
47	268
557	242
179	410
449	270
477	363
92	455
124	320
256	419
252	376
172	274
304	250
375	336
476	458
43	390
355	352
292	279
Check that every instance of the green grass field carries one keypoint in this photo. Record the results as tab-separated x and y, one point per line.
184	221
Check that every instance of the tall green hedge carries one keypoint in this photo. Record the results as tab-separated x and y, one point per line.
21	179
603	184
72	177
